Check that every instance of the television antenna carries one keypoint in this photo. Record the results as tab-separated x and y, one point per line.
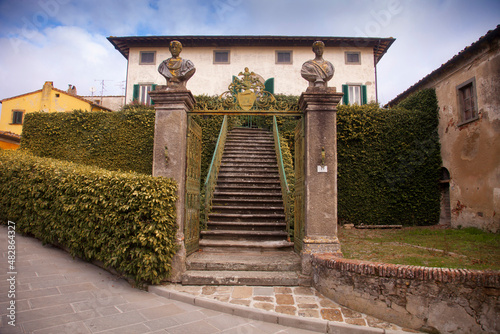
102	85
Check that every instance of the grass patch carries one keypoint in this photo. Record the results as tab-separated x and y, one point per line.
467	248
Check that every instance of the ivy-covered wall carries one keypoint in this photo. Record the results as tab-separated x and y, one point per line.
389	162
125	220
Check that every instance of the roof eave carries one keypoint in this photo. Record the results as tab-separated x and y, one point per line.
123	44
464	54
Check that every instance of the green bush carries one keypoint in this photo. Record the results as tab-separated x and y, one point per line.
389	163
119	141
125	220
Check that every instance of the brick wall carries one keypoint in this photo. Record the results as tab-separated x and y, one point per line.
436	300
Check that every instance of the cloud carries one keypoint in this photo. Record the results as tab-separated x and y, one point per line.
65	40
65	55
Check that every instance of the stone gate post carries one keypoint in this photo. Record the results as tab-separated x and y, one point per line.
169	154
320	173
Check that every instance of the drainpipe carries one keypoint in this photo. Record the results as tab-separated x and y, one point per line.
376	85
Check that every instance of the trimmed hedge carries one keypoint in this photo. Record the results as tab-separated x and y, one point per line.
119	141
125	220
389	163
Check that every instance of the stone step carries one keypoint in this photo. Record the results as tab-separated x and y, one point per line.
251	143
249	161
249	165
245	261
244	235
266	140
247	210
231	169
245	175
247	182
221	195
248	156
250	146
272	217
240	226
235	246
246	202
253	278
247	147
248	188
248	130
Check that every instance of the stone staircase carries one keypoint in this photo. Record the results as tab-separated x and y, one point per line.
246	242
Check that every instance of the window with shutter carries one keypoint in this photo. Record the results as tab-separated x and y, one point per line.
141	95
354	94
269	84
17	116
467	101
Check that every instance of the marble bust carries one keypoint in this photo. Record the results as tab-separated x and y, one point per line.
317	71
176	70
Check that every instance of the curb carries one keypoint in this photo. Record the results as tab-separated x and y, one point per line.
316	325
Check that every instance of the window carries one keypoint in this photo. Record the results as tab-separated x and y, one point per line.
467	101
17	116
147	58
221	57
141	95
354	94
352	58
283	57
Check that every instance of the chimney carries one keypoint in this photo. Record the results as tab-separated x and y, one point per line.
46	93
71	89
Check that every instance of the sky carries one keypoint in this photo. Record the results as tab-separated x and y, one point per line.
64	41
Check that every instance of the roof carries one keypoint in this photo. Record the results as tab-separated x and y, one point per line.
59	91
379	45
465	54
7	135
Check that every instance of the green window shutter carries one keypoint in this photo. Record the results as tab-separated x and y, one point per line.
345	98
269	84
135	94
364	97
153	87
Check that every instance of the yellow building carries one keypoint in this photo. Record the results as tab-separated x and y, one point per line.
47	99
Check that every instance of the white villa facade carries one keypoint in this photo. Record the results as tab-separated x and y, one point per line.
278	59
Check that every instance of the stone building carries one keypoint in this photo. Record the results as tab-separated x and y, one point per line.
278	59
112	102
468	93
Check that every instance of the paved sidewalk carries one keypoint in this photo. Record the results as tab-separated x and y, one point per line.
55	293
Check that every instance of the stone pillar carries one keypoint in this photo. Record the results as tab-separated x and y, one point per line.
320	173
169	155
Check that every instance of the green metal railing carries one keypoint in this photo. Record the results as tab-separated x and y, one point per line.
285	191
213	171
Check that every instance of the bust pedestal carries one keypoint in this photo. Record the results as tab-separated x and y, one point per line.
169	155
320	172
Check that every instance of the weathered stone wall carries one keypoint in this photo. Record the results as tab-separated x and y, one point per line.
467	148
435	300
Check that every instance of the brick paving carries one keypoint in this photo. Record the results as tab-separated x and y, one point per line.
297	301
